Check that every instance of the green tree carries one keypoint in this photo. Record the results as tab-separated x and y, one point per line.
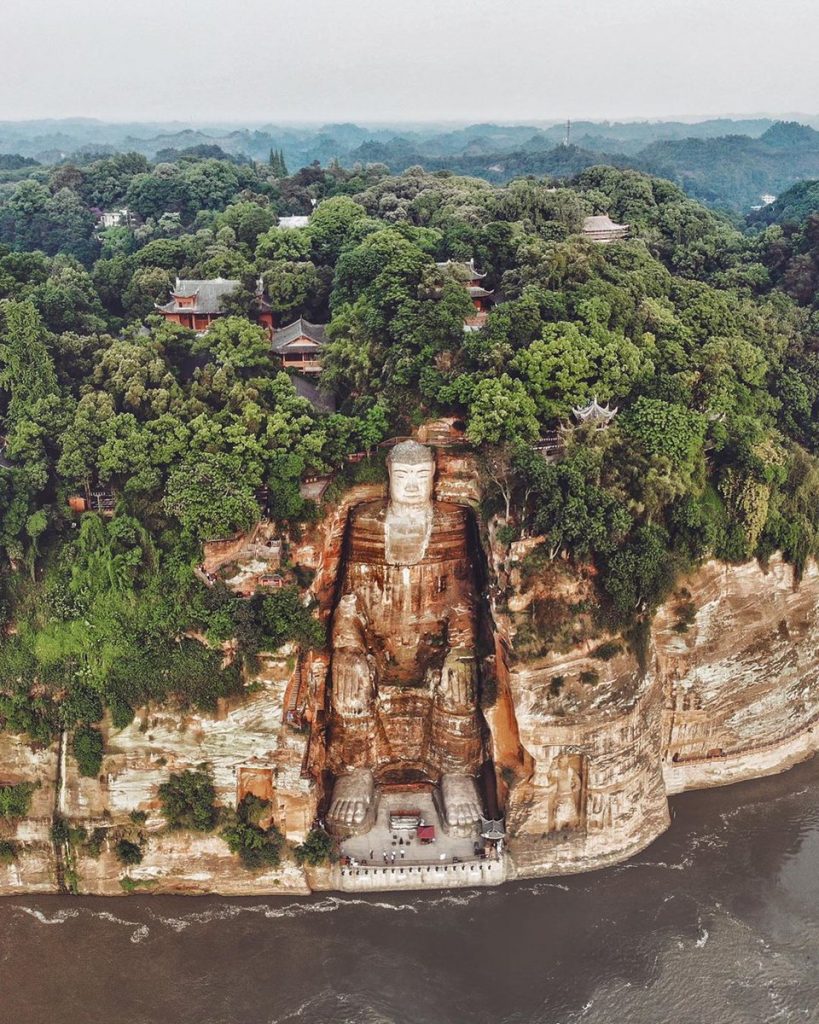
15	801
501	411
88	747
128	853
257	848
666	429
211	496
188	801
236	342
316	848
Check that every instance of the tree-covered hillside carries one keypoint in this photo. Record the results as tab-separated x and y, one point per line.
690	328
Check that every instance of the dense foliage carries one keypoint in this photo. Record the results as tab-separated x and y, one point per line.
15	800
704	338
188	801
88	747
257	847
316	849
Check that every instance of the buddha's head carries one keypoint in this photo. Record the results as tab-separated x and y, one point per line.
412	473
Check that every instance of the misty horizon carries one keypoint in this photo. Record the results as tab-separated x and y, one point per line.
412	123
428	61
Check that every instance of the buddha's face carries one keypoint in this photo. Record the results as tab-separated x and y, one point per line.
411	483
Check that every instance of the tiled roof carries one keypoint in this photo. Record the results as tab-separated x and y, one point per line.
595	413
285	336
293	222
603	225
322	401
209	295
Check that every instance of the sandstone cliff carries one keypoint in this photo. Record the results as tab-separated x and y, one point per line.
586	739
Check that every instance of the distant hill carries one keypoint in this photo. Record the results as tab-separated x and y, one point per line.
723	162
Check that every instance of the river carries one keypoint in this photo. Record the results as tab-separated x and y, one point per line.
718	921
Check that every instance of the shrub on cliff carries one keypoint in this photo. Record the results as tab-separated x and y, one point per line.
128	853
16	800
87	746
8	852
316	848
256	847
283	617
188	801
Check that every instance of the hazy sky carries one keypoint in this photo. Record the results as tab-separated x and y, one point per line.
476	60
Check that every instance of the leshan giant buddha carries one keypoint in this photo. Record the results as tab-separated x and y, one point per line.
404	671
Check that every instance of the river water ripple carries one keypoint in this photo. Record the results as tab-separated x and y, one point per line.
718	921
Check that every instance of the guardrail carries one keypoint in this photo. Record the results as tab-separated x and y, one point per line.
468	873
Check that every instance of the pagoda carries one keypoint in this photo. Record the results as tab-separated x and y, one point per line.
594	414
471	278
299	345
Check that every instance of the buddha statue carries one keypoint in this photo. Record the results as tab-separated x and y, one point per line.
404	670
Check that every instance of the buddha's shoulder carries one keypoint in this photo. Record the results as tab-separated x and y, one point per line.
369	513
374	513
449	511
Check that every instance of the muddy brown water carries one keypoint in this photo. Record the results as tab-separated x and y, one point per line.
718	921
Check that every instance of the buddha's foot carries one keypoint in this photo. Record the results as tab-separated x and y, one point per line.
462	805
351	801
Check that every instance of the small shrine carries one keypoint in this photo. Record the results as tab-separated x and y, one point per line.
298	346
471	279
603	229
599	416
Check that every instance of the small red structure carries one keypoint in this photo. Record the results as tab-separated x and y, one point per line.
426	834
471	278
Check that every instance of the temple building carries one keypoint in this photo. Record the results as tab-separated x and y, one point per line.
290	223
299	346
603	229
196	304
471	278
595	414
114	219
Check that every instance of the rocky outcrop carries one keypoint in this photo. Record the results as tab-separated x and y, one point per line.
594	792
34	868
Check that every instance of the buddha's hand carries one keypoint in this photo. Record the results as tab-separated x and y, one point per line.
456	687
352	683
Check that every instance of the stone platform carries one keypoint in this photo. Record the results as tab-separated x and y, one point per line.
447	863
381	839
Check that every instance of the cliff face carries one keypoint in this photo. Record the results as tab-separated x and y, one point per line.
731	692
34	869
248	744
586	743
736	651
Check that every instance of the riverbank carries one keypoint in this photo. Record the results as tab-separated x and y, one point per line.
721	912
